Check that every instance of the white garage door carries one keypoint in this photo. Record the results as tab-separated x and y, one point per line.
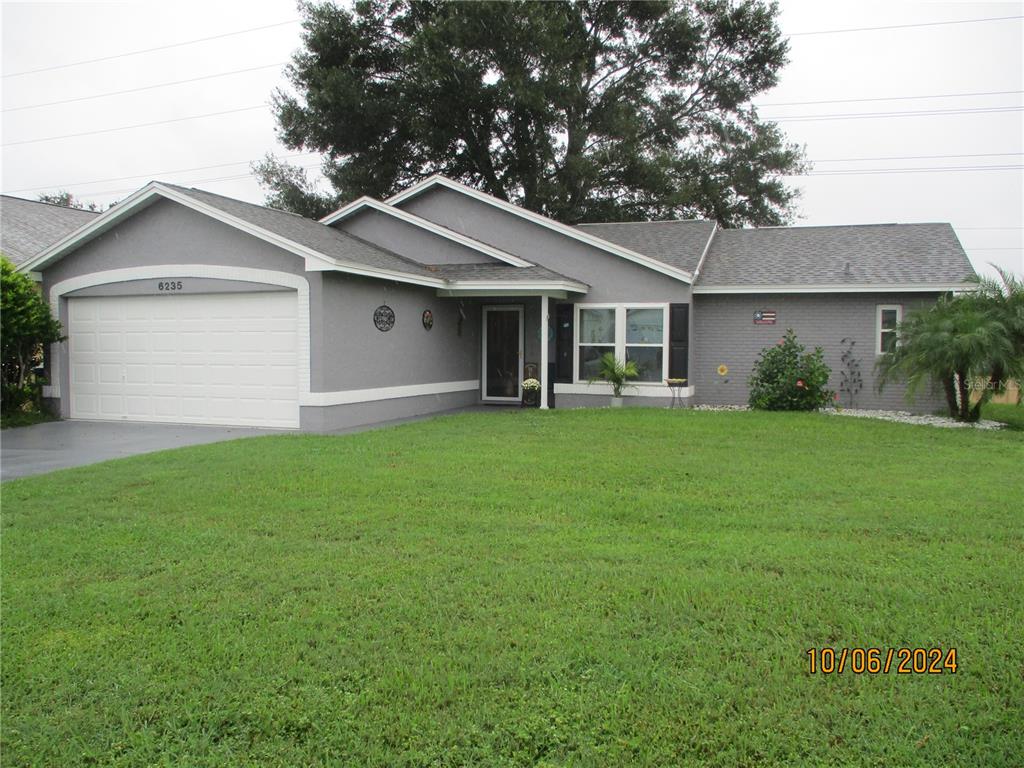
226	358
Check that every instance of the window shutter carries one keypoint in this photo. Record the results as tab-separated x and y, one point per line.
563	343
679	341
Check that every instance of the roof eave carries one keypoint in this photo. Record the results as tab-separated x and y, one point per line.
835	288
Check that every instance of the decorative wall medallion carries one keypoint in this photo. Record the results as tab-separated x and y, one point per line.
428	319
384	318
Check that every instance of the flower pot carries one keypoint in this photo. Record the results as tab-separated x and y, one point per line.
531	398
616	402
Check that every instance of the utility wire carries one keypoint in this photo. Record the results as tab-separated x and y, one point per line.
137	125
936	169
905	26
915	157
886	98
150	50
144	88
875	115
148	175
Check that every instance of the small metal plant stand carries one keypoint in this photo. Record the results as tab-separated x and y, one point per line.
676	385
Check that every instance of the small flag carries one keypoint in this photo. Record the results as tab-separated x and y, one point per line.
764	317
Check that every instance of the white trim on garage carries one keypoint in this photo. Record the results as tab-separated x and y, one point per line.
270	277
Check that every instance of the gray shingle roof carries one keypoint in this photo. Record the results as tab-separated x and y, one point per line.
876	254
496	271
676	243
28	227
312	234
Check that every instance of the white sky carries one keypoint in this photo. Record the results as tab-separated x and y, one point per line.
986	207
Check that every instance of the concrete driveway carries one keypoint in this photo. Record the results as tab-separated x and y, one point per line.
60	444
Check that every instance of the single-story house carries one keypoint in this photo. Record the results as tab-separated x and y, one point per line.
185	306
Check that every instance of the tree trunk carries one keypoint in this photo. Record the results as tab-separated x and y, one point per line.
949	387
965	396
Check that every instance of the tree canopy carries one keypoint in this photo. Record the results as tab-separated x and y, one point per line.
582	111
68	200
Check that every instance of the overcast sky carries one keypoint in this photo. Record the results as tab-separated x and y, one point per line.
985	206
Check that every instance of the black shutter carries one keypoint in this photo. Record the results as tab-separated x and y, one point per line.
679	341
563	343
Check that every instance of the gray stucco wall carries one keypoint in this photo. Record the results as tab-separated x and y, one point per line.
611	278
724	333
346	349
355	355
409	240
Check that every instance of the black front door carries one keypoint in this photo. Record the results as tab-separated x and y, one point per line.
502	361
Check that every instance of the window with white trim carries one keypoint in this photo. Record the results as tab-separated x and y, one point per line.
888	318
636	332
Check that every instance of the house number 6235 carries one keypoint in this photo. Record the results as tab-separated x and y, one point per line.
169	285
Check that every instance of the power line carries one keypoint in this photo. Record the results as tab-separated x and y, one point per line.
987	228
915	157
904	26
209	180
887	98
933	169
150	50
152	175
875	115
144	88
137	125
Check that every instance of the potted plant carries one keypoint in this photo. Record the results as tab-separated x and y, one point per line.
617	373
531	393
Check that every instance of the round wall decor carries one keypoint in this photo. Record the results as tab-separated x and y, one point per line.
428	319
384	318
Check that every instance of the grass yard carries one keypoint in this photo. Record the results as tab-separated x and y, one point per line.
1011	414
592	588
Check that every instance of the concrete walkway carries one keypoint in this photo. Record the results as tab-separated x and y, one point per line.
60	444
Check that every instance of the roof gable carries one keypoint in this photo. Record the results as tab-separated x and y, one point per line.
365	203
680	244
574	233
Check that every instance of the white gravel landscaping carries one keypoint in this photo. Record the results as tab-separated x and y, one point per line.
902	417
913	418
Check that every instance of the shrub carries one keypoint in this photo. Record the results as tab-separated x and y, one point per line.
788	378
26	326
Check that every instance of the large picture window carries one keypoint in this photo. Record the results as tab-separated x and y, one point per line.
630	332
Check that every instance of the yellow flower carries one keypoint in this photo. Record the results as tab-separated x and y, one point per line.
723	369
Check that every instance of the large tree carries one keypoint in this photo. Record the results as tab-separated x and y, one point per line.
583	111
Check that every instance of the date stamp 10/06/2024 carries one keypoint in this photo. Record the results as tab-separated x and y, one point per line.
874	661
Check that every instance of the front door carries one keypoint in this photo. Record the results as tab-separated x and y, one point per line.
503	353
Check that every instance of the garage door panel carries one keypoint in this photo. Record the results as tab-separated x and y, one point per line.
204	359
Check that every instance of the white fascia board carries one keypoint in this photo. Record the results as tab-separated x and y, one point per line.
552	293
704	253
314	260
98	225
417	221
544	221
827	288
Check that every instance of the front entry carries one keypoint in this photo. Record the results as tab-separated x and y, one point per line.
502	357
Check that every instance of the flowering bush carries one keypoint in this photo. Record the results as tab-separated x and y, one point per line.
531	384
788	378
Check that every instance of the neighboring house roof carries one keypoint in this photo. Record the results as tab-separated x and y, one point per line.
838	258
679	244
28	227
524	213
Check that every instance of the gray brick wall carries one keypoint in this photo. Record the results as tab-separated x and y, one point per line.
724	333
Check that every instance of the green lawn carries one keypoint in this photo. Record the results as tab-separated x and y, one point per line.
1010	414
598	588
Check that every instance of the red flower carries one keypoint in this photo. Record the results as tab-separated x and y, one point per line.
835	395
800	383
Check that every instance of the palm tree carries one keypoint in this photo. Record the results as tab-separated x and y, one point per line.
1004	299
954	342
